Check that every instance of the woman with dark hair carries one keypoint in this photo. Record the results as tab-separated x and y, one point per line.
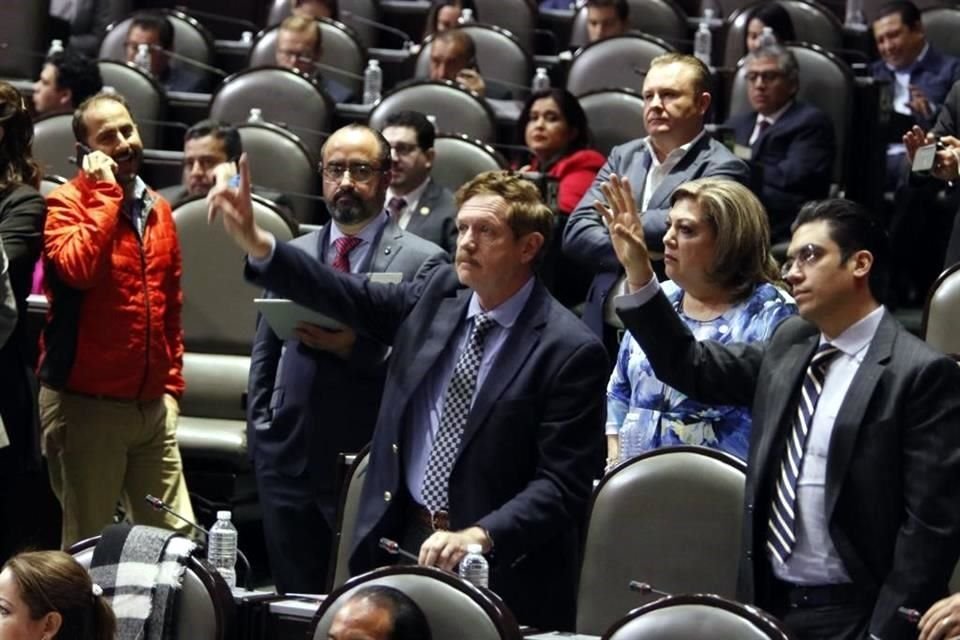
773	15
22	213
446	14
555	131
47	595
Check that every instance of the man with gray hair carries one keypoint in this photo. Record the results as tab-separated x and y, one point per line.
789	145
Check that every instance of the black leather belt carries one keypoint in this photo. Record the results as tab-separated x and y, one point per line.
436	521
801	597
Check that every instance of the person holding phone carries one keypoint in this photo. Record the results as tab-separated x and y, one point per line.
112	350
453	56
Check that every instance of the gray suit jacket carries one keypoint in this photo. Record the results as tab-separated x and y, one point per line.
436	217
893	464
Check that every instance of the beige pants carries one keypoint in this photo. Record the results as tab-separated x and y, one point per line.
101	450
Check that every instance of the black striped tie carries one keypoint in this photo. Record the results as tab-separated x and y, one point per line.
781	536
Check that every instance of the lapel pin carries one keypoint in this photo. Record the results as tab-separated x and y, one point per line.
386	251
424	211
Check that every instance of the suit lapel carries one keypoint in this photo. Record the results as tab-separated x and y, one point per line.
385	250
418	219
682	172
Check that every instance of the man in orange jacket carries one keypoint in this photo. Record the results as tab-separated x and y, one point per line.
112	349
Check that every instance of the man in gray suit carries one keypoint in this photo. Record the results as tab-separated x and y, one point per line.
677	149
316	395
850	506
417	203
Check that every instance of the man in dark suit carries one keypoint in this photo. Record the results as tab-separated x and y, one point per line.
417	203
300	47
316	395
490	430
156	32
676	150
850	506
789	144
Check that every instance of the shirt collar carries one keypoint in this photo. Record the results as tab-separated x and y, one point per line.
857	336
367	235
412	198
677	154
910	67
776	115
507	312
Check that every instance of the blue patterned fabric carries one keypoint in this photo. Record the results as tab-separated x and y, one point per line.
647	414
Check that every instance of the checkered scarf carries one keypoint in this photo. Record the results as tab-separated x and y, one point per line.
141	571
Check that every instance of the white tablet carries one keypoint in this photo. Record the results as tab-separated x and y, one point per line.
284	315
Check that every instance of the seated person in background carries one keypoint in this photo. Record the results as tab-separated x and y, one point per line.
725	286
453	56
415	202
87	21
155	31
314	9
300	47
789	144
555	131
774	16
920	76
379	612
47	595
67	79
445	14
607	19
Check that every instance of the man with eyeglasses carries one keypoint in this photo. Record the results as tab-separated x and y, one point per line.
788	144
317	394
156	32
300	48
850	510
418	203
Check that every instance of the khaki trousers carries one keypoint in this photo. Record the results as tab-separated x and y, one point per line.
100	450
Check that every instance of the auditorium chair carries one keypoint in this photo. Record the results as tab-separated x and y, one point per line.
614	116
942	25
344	57
349	505
614	63
54	145
456	109
453	607
459	159
683	617
354	13
501	58
670	517
661	18
23	38
519	17
145	97
49	183
812	22
872	7
941	313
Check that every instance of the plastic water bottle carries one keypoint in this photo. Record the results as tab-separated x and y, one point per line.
222	548
630	438
372	82
56	46
767	37
541	80
703	42
474	568
142	59
854	17
256	115
466	16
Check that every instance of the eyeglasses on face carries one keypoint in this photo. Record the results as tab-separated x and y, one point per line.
359	172
805	256
766	76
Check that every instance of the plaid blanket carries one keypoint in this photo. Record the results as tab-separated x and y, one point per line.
141	571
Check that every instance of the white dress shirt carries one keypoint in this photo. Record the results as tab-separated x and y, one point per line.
412	199
770	119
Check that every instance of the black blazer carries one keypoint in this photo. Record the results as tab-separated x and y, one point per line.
532	445
436	217
893	466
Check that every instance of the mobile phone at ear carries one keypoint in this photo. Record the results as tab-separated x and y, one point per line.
82	150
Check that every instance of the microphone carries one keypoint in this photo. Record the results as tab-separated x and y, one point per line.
190	62
292	194
393	548
645	589
407	42
171	124
513	85
29	52
196	13
160	505
328	67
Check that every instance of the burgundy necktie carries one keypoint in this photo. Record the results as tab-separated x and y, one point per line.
344	245
395	206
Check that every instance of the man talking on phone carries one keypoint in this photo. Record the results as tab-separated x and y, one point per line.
453	56
112	349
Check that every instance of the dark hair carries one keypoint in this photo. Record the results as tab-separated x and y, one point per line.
461	38
854	229
569	107
773	15
153	21
384	158
225	133
434	13
17	165
426	133
79	114
52	581
623	9
409	621
909	13
78	73
786	61
333	5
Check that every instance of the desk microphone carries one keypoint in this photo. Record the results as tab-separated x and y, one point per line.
160	505
190	62
408	44
216	17
645	589
329	67
33	53
394	549
169	124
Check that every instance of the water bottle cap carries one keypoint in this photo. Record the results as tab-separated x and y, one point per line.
541	70
475	548
373	63
223	515
143	48
708	13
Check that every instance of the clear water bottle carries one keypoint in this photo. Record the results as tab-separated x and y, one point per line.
222	547
703	42
466	16
474	568
854	17
142	59
372	82
767	37
56	46
541	80
255	116
630	437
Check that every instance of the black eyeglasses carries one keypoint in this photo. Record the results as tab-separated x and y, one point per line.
766	76
359	172
806	256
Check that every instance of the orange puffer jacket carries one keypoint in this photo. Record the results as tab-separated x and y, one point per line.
113	328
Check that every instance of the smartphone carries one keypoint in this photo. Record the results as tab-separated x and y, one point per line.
926	157
82	150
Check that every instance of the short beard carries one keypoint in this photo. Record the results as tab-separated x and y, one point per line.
350	212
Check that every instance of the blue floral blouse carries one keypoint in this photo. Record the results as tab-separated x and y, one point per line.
647	414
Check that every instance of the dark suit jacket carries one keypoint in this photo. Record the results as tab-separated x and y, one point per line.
587	240
935	74
436	217
306	406
532	444
337	91
949	117
893	466
792	161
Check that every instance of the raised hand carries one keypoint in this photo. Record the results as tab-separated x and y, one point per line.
99	166
914	139
235	206
619	212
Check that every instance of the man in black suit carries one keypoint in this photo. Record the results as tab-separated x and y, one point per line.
491	425
317	394
850	505
156	32
789	144
418	204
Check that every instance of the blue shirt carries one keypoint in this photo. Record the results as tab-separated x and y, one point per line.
426	406
359	253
